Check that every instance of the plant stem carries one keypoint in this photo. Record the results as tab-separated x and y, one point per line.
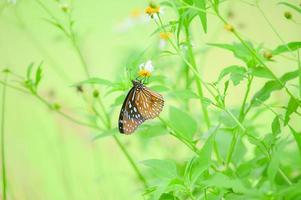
284	176
272	27
236	34
191	58
4	181
242	109
233	143
241	118
131	161
71	35
160	24
299	67
183	140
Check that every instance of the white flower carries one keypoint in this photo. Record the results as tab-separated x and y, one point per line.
147	66
145	69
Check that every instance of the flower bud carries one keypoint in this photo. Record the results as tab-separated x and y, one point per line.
65	7
229	27
267	54
79	88
56	106
95	93
288	15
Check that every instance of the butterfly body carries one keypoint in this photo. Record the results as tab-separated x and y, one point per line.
139	105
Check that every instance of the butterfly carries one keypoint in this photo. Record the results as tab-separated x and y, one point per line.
140	104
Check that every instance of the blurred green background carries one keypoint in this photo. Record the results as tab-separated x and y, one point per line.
49	157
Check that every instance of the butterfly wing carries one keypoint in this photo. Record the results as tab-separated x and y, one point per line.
149	103
129	117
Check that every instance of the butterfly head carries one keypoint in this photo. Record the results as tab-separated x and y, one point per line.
137	83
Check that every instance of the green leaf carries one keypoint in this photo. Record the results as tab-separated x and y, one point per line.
273	166
276	128
290	192
291	6
261	72
38	75
237	73
215	5
289	76
297	137
152	131
182	123
265	92
220	180
95	80
291	108
28	72
238	49
200	163
291	46
184	94
202	13
163	169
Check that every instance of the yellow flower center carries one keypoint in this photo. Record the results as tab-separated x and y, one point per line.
150	10
165	35
144	73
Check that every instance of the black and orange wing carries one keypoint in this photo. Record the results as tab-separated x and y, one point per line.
129	117
149	103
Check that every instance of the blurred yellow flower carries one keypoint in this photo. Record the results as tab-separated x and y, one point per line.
152	9
135	17
135	13
165	35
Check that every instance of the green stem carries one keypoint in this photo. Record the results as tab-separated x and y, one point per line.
242	116
215	148
71	35
272	27
131	161
235	119
233	143
243	106
191	58
285	177
160	24
50	106
299	67
4	181
183	140
236	34
14	87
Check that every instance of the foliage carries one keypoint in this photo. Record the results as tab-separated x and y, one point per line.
231	155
